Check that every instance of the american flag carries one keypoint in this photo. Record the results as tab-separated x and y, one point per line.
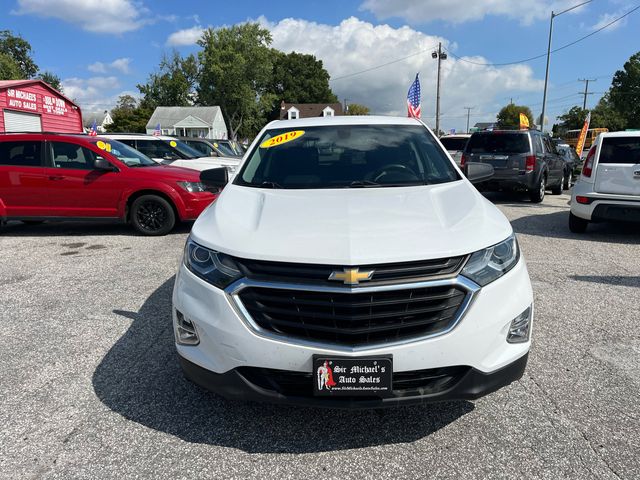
413	99
157	131
94	129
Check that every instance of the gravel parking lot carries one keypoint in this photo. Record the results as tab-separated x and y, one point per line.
91	387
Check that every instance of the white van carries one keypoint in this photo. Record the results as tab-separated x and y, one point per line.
351	264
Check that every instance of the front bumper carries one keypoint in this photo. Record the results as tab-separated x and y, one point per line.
228	341
234	385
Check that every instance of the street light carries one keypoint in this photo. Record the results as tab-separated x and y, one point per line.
546	75
440	55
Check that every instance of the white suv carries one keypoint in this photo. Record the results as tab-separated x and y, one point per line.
609	186
351	264
171	151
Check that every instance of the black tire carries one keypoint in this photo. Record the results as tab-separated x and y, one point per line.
152	215
577	224
536	194
32	222
567	180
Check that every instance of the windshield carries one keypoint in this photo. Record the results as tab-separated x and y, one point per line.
225	149
620	150
127	155
340	156
498	143
184	149
451	143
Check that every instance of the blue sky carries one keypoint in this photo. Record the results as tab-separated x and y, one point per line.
102	48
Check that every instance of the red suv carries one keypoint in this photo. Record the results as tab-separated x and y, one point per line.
47	176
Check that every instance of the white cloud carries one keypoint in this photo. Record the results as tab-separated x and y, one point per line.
187	36
92	94
98	16
459	11
355	45
120	64
607	18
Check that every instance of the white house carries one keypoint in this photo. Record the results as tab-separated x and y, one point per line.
198	122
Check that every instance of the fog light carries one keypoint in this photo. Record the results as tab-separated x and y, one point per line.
185	330
520	328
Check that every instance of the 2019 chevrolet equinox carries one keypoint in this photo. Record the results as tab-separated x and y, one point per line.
351	264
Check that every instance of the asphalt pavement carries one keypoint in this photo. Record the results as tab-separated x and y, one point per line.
91	388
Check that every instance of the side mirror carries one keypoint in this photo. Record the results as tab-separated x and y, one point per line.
215	177
478	172
102	164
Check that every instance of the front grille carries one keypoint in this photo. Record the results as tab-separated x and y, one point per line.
300	384
356	318
383	273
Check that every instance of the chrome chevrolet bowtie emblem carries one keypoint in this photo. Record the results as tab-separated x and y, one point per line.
351	276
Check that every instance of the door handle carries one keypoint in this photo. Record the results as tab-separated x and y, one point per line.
56	177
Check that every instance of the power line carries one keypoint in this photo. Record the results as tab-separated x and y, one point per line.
383	64
552	51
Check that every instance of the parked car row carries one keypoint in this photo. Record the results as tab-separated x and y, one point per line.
46	176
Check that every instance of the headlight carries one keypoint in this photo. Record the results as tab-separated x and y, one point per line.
193	187
213	267
487	265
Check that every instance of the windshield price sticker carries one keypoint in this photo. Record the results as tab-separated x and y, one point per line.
103	146
282	138
173	143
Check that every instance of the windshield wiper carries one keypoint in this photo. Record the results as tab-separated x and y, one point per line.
270	185
363	184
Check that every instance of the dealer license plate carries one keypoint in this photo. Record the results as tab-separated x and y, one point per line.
348	376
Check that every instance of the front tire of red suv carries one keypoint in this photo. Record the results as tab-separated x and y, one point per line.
536	194
577	224
152	215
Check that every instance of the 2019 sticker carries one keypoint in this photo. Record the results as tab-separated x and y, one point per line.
282	138
103	145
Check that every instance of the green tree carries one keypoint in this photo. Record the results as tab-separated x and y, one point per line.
129	116
236	67
624	94
18	49
300	78
52	79
357	109
9	70
605	115
573	119
173	85
509	116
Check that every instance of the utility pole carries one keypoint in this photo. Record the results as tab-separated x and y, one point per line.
468	109
439	55
546	75
586	89
345	108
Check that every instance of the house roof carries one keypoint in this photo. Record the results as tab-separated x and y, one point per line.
170	116
23	83
309	109
192	121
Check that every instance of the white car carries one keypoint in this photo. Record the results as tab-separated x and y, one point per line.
455	145
351	264
608	188
171	151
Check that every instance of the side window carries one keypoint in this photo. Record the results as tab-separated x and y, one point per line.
131	143
21	154
537	144
72	156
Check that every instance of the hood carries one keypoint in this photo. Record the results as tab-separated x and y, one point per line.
167	172
352	226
